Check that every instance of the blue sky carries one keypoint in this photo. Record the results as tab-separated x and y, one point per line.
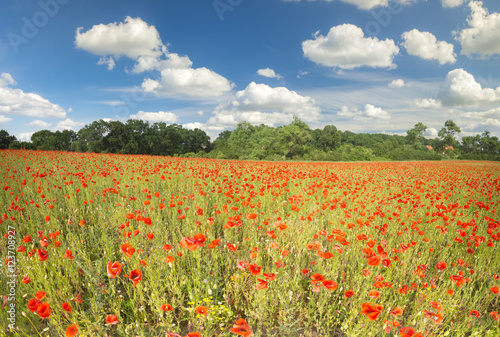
361	65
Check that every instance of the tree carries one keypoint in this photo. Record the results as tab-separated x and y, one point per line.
6	139
329	138
293	139
415	136
447	134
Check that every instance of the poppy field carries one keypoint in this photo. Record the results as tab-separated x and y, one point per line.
123	245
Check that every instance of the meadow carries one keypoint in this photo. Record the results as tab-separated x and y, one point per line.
122	245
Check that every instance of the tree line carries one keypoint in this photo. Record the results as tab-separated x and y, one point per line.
295	141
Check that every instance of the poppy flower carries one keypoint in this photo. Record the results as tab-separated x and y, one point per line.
69	254
494	290
270	276
372	311
66	307
43	310
170	259
406	332
329	284
135	276
349	293
26	280
71	330
201	310
111	320
441	265
475	313
396	311
241	328
40	295
495	315
33	304
437	318
254	269
193	334
42	255
374	294
127	249
166	307
262	284
114	269
437	306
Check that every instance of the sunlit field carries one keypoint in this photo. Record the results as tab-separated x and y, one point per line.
118	245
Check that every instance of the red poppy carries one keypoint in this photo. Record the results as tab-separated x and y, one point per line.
114	269
42	255
69	254
494	290
111	320
33	304
43	310
371	310
71	330
406	332
349	293
201	310
374	294
66	307
329	284
127	249
135	276
26	280
396	311
254	269
193	334
441	265
475	313
40	295
261	285
241	328
166	307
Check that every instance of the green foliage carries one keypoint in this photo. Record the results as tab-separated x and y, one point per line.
6	139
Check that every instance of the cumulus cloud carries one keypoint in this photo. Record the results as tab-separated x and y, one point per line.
192	126
269	73
17	102
25	136
461	89
482	38
452	3
346	47
426	46
137	40
427	103
6	80
399	83
431	133
369	112
262	104
188	82
39	124
132	38
68	124
490	124
4	119
160	116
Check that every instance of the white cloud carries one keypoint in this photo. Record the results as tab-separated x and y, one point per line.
188	82
431	133
68	124
302	73
160	116
426	46
4	119
366	4
141	42
452	3
262	104
399	83
269	73
6	80
132	38
346	47
369	112
483	36
461	89
112	102
109	61
192	126
427	103
39	124
25	136
17	102
490	124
